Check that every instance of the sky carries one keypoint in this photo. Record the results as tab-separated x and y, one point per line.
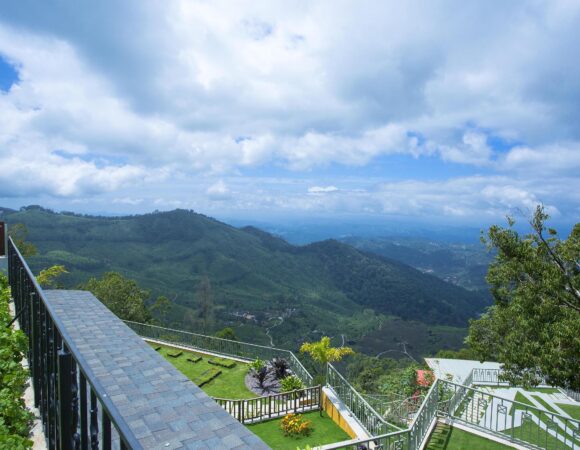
446	111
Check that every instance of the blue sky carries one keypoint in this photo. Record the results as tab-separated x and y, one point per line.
456	112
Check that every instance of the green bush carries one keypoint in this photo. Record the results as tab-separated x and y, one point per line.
15	419
291	383
223	362
257	365
207	376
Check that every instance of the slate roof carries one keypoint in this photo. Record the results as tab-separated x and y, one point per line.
161	406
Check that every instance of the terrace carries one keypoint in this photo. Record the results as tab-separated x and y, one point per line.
100	382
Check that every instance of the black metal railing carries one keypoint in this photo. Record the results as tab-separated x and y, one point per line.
225	347
258	409
76	412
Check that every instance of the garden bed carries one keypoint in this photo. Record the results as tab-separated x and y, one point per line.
229	384
324	431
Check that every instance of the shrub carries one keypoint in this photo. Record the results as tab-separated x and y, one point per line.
227	333
257	365
281	367
15	419
291	383
207	376
295	425
222	362
261	376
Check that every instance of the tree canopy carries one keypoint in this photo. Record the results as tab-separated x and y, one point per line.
121	295
323	353
534	326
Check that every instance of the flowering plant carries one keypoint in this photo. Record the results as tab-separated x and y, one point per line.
295	425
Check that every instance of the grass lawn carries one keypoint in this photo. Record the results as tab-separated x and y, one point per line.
532	433
572	410
230	384
543	390
445	437
325	431
545	404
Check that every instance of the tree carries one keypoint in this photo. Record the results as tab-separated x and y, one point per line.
18	232
206	304
322	353
160	308
227	333
533	328
121	295
47	277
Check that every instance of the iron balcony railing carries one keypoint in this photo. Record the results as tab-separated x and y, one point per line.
74	410
221	346
364	413
509	420
259	409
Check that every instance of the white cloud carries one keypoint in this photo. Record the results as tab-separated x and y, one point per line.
322	189
206	89
218	191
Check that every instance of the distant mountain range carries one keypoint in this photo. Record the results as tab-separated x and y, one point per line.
263	286
462	264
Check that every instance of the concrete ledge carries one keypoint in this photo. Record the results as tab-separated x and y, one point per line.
345	413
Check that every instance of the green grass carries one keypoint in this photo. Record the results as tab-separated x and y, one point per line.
544	403
572	410
543	390
230	384
325	431
532	433
445	437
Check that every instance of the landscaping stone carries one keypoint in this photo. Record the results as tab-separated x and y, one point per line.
271	385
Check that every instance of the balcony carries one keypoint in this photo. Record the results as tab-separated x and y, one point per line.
100	382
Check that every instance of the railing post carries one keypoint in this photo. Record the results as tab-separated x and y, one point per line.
65	395
94	427
35	348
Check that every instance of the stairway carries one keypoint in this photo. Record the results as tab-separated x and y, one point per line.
439	437
475	407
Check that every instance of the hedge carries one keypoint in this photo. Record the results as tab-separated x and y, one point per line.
15	419
222	362
207	376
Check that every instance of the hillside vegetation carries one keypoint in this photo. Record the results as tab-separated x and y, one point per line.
298	292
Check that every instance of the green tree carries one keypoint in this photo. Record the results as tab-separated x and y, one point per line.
121	295
227	333
47	277
534	326
322	353
18	232
206	303
160	308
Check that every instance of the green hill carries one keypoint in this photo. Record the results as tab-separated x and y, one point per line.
299	292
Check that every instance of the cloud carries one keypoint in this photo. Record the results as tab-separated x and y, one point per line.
218	191
111	99
322	189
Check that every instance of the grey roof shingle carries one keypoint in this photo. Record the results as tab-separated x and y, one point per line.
162	407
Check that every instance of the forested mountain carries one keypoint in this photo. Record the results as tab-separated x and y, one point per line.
261	285
463	264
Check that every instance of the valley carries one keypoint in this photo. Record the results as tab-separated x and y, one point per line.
376	304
